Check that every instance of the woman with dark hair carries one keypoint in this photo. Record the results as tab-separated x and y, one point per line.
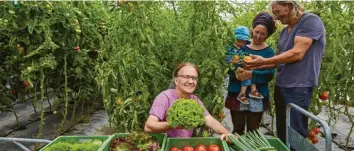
250	114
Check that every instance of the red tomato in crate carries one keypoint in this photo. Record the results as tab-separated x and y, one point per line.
214	147
174	149
201	147
187	148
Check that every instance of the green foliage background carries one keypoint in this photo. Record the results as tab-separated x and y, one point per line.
128	51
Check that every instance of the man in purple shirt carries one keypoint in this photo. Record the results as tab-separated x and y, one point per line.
185	79
300	49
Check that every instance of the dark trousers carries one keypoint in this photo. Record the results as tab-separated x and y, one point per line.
242	118
300	96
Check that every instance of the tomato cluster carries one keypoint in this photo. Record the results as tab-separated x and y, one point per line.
201	147
312	135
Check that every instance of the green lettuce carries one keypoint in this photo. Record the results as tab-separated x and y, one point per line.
187	113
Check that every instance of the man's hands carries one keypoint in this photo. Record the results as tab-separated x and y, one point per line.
256	62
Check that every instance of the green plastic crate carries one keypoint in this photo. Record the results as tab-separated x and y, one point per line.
278	144
159	137
275	142
194	142
79	139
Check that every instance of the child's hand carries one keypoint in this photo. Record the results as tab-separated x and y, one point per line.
243	74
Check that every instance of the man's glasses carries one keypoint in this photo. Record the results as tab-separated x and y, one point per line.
194	78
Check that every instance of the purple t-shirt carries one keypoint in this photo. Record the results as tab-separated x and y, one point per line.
305	72
160	106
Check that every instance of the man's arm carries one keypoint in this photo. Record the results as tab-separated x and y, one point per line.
268	66
301	45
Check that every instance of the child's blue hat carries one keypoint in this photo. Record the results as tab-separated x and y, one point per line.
242	33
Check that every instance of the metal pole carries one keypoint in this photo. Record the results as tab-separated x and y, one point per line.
21	146
28	140
288	108
327	130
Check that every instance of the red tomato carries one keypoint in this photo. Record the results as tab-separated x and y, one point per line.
187	148
121	3
314	140
201	147
324	95
14	92
311	134
174	149
214	147
77	48
316	130
25	83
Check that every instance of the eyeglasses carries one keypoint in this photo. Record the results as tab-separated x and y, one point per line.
194	78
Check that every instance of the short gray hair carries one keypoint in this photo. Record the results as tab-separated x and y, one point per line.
295	11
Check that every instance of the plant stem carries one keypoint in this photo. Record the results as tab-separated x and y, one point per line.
350	132
74	108
42	104
13	109
47	94
82	106
34	102
66	95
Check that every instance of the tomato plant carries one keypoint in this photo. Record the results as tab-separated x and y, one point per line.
38	52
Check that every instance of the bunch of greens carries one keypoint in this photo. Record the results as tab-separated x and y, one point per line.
143	141
93	145
187	113
252	140
136	141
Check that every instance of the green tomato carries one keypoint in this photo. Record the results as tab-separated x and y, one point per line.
113	90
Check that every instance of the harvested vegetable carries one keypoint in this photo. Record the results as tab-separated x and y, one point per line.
136	141
252	140
187	113
200	147
93	145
